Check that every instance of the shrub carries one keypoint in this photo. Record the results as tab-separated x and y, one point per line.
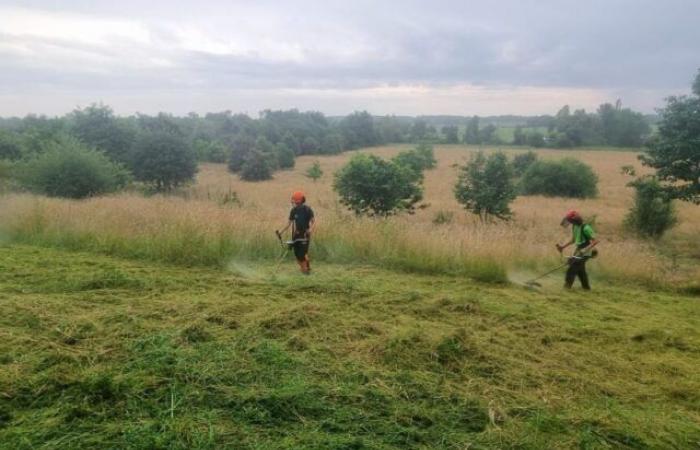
256	167
485	186
652	213
373	186
70	169
522	161
565	178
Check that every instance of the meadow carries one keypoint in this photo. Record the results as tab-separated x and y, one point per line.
220	218
165	322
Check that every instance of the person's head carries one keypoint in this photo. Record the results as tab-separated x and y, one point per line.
298	198
572	217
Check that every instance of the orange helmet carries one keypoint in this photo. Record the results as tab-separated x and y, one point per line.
571	217
298	197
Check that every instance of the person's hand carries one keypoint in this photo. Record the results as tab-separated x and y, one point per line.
307	234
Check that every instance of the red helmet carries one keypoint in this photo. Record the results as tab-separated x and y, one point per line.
298	197
570	217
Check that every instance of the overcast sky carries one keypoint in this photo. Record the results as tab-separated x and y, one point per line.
388	57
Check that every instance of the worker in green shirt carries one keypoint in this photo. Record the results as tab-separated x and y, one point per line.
583	237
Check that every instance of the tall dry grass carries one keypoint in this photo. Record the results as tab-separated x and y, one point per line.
202	227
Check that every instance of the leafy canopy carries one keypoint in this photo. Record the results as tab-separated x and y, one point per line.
68	168
373	186
675	151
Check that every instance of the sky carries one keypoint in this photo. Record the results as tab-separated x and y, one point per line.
407	57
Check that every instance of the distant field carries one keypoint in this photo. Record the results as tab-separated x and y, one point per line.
505	134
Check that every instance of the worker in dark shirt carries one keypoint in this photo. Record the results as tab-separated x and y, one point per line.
302	221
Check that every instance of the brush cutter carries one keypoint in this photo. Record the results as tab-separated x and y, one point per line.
286	246
570	260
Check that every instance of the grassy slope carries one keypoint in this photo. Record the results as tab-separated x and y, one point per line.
98	352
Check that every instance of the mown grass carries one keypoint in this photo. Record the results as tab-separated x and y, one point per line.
100	352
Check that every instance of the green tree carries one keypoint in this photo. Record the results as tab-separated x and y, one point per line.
10	146
358	130
485	187
652	213
241	146
98	127
487	135
285	156
675	150
370	185
564	178
68	168
314	172
535	139
451	134
256	167
332	144
162	158
471	134
519	136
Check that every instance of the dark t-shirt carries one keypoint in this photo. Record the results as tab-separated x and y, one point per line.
301	215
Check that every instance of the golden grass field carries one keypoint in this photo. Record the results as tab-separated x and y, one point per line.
200	215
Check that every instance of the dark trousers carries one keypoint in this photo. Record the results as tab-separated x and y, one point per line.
577	269
301	249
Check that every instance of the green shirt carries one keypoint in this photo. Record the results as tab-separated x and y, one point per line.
583	235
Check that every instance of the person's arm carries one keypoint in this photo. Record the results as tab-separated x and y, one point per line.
561	247
289	224
312	226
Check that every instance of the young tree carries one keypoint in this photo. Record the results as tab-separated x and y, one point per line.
373	186
519	136
285	156
485	186
675	150
98	127
163	159
256	167
471	134
451	134
652	213
314	172
241	146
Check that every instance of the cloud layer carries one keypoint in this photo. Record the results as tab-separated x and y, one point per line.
408	57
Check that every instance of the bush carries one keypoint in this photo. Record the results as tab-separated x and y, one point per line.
522	161
652	213
70	169
535	139
256	167
565	178
485	186
373	186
